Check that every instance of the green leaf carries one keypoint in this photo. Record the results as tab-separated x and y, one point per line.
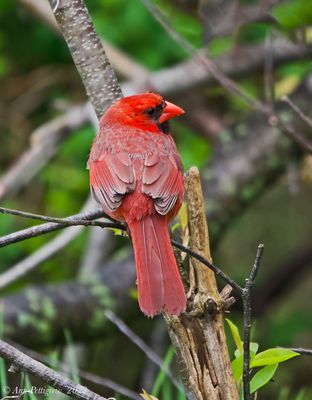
161	374
287	85
253	350
28	390
262	377
293	14
147	396
118	232
220	45
254	347
175	227
237	364
237	368
235	334
272	356
183	217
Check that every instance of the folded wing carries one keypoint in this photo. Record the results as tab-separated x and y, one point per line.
111	177
163	180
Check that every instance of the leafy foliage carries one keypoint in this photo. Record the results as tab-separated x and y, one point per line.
268	360
38	81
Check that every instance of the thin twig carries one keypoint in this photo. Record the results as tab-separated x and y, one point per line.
297	137
65	368
52	134
28	264
297	110
78	219
213	267
202	59
300	350
86	219
149	352
27	364
225	81
46	218
268	71
247	320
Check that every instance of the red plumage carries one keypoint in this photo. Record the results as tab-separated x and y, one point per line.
136	176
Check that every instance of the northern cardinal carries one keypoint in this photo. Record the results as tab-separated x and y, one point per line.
136	176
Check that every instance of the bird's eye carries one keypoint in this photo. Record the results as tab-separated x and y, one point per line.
151	112
154	112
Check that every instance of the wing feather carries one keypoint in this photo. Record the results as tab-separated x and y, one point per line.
111	178
163	181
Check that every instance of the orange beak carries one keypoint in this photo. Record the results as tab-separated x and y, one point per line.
170	111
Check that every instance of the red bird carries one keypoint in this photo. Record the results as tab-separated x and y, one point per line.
136	176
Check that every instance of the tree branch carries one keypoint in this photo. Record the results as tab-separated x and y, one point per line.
247	321
231	86
67	221
198	333
88	376
149	352
297	110
25	363
51	134
87	51
84	219
36	316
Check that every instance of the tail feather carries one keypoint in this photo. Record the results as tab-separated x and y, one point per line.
159	282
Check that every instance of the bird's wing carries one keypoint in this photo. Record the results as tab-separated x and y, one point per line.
111	177
163	180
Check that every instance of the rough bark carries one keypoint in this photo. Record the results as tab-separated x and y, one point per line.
22	362
198	334
88	53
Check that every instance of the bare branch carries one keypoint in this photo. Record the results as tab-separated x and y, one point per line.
297	137
208	264
85	219
52	134
68	222
300	350
77	219
225	81
247	320
268	71
121	61
25	363
92	295
204	60
142	346
87	51
180	78
297	110
65	368
30	263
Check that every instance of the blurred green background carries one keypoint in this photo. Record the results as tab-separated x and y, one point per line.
38	81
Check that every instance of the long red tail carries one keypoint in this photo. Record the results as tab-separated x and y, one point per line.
159	282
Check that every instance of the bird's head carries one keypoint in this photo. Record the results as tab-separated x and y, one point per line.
148	111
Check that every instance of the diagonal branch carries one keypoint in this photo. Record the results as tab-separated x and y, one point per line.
52	134
85	219
88	53
204	60
23	362
231	86
88	376
149	352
